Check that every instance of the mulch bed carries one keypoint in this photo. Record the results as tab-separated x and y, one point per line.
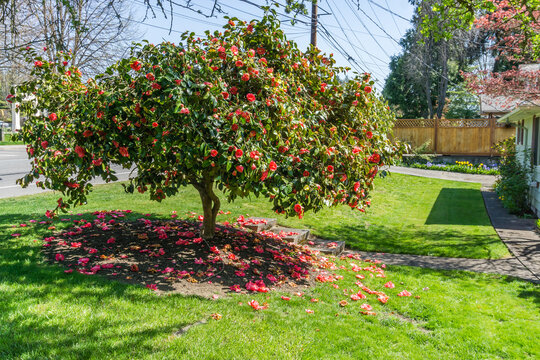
169	256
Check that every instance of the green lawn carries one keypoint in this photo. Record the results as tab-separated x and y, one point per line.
47	314
409	215
7	141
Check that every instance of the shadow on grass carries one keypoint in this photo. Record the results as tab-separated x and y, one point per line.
456	206
36	292
416	240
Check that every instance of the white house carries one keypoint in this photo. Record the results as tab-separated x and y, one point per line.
526	117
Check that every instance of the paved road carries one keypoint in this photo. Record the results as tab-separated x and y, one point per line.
14	164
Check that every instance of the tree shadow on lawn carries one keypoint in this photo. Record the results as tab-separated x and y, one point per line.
38	292
33	325
167	255
417	241
455	206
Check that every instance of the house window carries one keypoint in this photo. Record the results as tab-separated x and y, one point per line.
535	147
522	131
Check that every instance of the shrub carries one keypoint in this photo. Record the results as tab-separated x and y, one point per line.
513	184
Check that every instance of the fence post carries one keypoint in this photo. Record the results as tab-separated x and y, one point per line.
491	135
436	135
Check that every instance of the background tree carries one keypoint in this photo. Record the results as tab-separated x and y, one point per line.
96	32
520	15
421	76
243	110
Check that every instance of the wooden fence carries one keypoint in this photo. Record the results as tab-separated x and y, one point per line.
453	137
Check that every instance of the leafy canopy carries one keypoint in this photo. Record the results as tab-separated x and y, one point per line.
243	109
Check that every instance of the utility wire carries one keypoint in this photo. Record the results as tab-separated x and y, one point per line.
367	29
396	41
344	33
393	16
334	43
390	11
358	40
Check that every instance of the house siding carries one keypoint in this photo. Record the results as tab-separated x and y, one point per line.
522	150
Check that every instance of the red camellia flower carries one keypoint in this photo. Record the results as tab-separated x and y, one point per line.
240	168
150	76
239	63
155	124
239	153
44	144
225	95
97	162
367	89
136	65
298	208
234	50
375	158
87	133
250	97
306	173
330	168
156	86
38	63
261	51
79	151
213	153
255	155
369	135
233	90
264	175
272	166
123	151
184	111
245	77
53	117
234	127
356	186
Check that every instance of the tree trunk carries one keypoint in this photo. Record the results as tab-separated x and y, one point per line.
443	84
211	204
427	77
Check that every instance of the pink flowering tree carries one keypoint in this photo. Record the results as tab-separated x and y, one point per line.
516	38
243	110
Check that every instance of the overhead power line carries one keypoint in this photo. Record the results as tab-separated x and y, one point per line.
389	11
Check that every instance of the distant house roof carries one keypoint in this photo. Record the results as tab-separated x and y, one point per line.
529	67
498	105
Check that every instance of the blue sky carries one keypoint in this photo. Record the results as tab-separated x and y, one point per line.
363	34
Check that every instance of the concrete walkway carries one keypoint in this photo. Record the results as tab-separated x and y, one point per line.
487	181
518	235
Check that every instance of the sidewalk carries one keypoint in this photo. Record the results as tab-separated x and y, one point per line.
518	234
487	181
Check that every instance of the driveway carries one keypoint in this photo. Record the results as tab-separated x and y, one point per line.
14	164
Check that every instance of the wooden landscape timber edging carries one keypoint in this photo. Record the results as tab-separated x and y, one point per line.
454	136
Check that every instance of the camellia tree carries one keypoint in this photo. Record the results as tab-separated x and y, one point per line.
243	110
